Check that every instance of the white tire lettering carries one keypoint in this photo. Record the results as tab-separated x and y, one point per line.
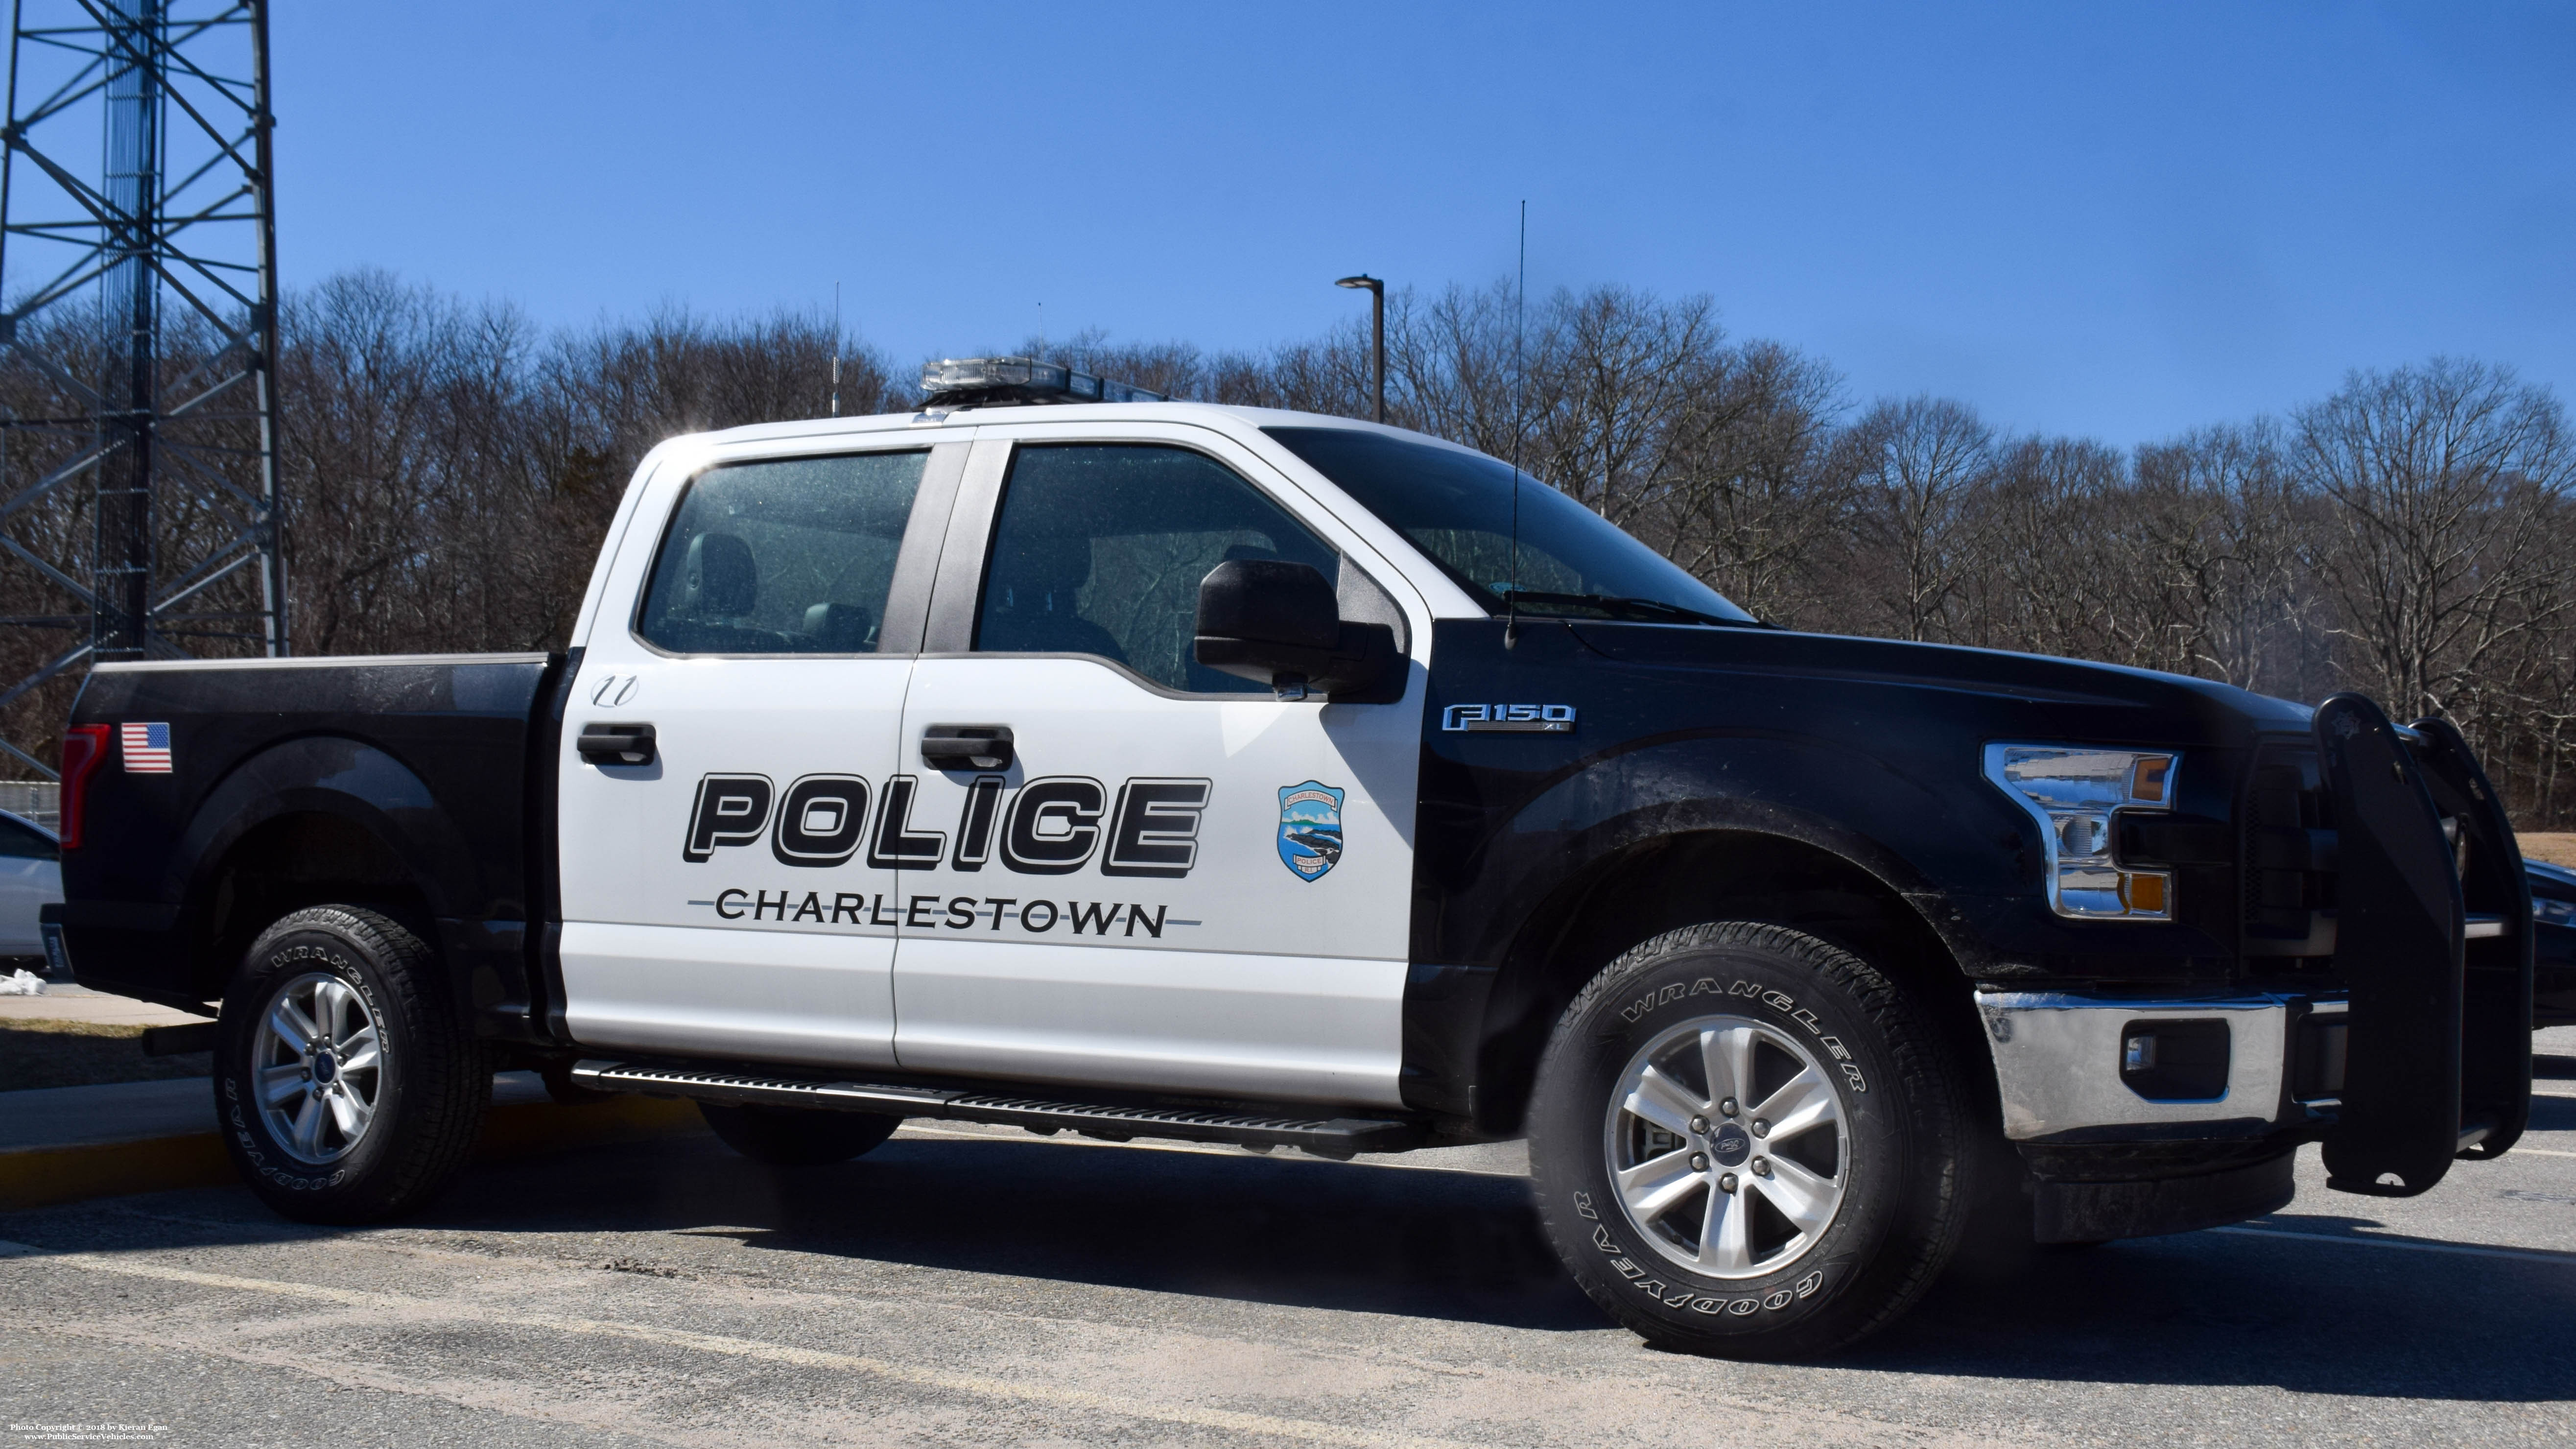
1691	1299
1683	1298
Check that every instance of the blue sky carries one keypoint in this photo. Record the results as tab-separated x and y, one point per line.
2117	220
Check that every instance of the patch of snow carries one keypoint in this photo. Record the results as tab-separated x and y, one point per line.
22	983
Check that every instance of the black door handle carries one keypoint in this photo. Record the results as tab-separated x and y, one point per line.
616	744
966	747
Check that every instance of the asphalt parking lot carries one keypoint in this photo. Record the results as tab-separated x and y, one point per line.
964	1286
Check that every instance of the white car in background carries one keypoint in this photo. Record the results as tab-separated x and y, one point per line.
31	878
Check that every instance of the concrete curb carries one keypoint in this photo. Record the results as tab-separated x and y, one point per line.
50	1176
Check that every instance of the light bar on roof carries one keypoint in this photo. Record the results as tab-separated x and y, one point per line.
955	380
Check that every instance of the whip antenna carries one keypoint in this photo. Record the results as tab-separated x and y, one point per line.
1520	423
836	349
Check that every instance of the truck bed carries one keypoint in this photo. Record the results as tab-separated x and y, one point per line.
442	756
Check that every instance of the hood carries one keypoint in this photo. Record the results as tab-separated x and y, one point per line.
2113	701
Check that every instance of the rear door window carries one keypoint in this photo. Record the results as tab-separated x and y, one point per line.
782	556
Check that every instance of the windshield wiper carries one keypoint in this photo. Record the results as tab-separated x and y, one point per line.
1612	606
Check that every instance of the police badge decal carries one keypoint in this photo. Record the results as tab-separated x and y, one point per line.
1310	828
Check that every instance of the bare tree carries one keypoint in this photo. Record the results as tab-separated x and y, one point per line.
2446	480
1760	487
1622	391
1917	464
2227	533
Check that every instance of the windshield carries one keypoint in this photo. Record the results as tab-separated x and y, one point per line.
1457	508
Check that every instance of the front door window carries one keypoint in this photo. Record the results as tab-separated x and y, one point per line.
1100	550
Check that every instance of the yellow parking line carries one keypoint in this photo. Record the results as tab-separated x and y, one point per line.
44	1176
48	1176
1055	1395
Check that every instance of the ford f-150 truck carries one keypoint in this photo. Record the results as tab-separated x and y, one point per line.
1148	769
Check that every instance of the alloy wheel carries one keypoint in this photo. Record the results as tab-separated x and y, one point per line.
317	1065
1727	1146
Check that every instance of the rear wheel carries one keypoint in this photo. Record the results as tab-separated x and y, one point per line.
346	1087
797	1136
1747	1143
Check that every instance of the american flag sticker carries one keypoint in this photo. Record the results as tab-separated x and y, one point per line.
146	749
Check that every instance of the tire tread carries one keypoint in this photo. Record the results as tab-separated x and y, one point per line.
1934	1100
446	1083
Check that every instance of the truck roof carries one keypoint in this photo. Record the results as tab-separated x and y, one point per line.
1223	416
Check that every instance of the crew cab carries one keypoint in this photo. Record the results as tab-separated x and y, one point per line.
1141	768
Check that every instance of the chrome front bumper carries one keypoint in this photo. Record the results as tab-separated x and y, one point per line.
2058	1064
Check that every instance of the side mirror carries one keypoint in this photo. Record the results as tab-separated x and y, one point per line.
1278	622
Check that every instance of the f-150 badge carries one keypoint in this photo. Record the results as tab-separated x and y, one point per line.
1310	828
1516	719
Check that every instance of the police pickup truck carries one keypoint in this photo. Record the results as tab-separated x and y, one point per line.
1148	769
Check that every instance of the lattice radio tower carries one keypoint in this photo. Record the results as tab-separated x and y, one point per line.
138	344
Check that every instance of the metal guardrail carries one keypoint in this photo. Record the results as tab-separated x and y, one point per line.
38	800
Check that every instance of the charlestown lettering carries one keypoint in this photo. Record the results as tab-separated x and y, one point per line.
926	913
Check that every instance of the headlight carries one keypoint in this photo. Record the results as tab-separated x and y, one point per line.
2076	794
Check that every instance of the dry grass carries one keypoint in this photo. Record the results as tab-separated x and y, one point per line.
39	1053
2557	847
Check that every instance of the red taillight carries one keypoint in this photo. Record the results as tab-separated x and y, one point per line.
84	749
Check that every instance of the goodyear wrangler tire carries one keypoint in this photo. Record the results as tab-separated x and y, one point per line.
346	1086
1747	1143
797	1136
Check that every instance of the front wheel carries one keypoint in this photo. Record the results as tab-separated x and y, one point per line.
1747	1142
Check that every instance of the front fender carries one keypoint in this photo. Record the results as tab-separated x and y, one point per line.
1922	840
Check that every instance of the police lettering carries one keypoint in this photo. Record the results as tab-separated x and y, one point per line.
1055	825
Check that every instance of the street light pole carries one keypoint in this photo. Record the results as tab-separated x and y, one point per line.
1377	330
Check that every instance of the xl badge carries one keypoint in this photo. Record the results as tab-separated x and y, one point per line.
1310	828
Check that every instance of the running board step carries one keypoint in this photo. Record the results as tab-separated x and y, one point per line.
1338	1137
